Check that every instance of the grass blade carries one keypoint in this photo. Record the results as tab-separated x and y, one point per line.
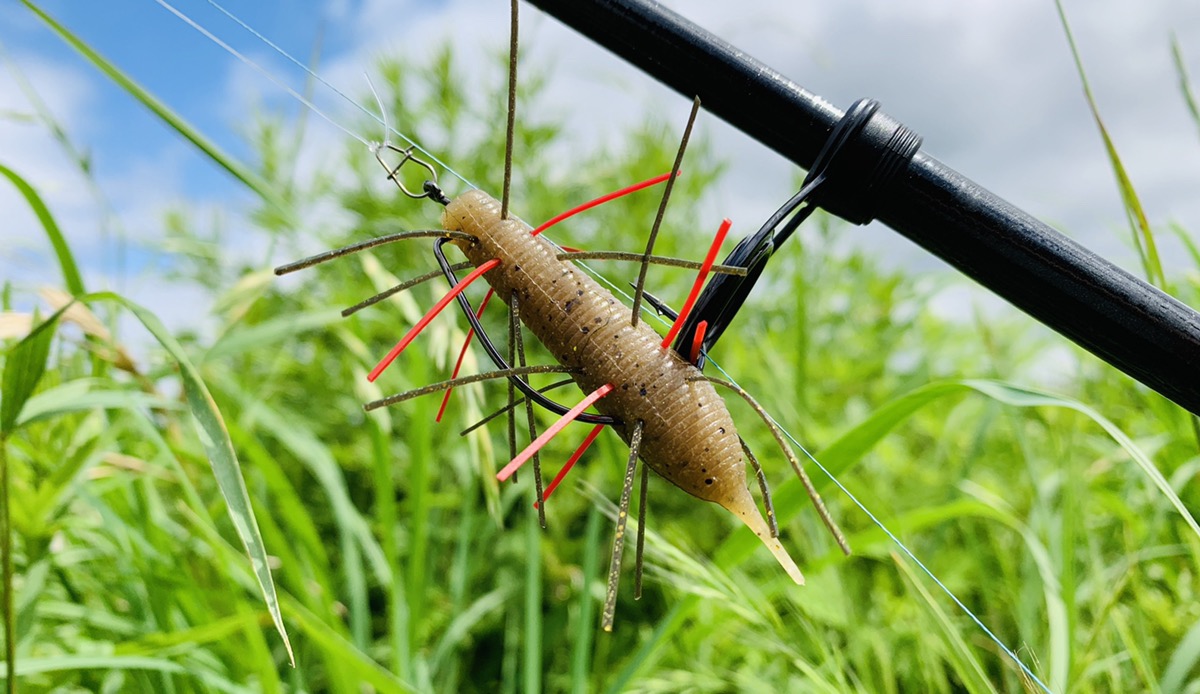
270	332
585	620
647	654
1186	239
1182	662
361	667
235	168
459	629
962	660
1143	237
215	437
84	394
1185	82
532	663
1025	397
23	368
66	261
6	548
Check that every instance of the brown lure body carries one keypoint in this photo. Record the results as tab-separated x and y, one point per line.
689	437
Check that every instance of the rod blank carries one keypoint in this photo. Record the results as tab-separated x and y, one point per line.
1124	321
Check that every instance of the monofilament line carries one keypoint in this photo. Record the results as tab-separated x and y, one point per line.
265	73
339	92
310	72
387	129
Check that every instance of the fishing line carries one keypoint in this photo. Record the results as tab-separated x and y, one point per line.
646	310
381	119
379	102
234	52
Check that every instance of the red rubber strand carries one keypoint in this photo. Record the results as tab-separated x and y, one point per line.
462	354
437	308
600	201
548	434
587	443
709	261
697	341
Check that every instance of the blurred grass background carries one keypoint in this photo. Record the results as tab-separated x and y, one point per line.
400	564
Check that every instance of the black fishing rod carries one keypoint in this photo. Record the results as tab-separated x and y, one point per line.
1119	318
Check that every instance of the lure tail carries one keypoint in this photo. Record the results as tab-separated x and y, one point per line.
744	508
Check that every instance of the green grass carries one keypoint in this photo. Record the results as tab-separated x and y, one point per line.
1060	518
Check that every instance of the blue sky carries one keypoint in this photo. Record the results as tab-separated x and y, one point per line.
167	57
139	163
989	84
163	53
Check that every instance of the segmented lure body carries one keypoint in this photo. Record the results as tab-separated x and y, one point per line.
689	437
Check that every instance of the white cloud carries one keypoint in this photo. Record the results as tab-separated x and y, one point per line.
139	193
29	149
